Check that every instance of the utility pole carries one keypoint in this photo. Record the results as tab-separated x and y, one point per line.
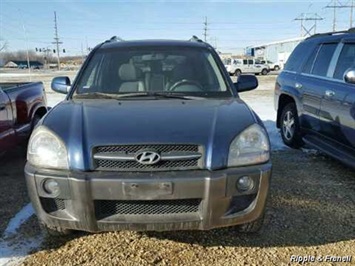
351	6
27	53
205	29
335	4
304	17
56	38
351	13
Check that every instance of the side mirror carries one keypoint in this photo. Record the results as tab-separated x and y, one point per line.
61	84
349	76
246	83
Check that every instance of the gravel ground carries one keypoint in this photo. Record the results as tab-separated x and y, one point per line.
13	191
311	211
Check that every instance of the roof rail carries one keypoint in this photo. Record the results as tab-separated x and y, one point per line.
114	39
351	30
195	39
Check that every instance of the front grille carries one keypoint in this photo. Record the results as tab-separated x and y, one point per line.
106	208
156	147
52	204
163	165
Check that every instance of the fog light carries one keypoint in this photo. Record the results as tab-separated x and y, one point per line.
245	183
51	187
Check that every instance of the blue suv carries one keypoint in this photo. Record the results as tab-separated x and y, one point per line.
315	95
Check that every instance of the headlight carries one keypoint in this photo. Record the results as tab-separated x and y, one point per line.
249	147
46	150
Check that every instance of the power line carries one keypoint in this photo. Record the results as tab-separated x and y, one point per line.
308	17
56	38
336	4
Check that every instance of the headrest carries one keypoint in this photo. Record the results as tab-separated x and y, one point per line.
182	71
156	67
128	72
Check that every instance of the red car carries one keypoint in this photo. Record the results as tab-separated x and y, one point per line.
22	105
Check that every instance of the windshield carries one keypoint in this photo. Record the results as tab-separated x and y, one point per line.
184	71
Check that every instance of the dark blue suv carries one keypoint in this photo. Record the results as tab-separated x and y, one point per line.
152	136
315	95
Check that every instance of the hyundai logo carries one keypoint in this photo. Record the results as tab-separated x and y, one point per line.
147	157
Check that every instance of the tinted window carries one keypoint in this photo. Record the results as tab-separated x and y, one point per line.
250	62
310	62
325	54
297	57
346	60
245	62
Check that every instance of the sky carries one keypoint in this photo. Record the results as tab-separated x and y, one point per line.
231	25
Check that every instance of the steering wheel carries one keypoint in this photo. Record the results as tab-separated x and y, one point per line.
185	82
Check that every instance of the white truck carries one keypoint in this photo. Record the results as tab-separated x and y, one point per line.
236	67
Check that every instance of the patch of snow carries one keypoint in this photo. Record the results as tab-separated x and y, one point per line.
264	107
14	251
14	248
21	217
54	98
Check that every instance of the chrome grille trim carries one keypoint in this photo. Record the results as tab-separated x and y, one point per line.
124	157
171	156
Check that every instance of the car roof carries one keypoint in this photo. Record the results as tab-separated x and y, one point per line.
332	36
111	44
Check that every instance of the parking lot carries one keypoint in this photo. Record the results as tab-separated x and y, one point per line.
310	212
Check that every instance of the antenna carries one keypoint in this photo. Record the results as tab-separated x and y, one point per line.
304	17
56	38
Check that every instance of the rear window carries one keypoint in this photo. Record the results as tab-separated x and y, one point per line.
298	56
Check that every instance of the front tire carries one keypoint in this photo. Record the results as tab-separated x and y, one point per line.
290	127
276	68
237	73
264	72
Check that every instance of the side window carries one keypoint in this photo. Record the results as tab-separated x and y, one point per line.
346	60
296	59
91	75
310	61
250	62
245	62
324	56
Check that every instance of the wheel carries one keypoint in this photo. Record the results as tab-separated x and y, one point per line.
252	227
290	127
53	230
264	72
237	73
276	68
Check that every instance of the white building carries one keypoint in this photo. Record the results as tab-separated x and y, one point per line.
277	52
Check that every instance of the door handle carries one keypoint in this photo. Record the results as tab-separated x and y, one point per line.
329	93
298	85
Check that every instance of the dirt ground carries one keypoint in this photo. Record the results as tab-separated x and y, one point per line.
310	212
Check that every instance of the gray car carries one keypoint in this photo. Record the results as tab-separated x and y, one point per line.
152	136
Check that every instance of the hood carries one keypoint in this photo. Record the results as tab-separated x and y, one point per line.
86	123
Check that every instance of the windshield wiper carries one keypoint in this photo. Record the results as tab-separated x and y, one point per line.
95	95
168	95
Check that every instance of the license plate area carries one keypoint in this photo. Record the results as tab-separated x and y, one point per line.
147	190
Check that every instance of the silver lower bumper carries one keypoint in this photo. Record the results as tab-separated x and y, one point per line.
219	202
